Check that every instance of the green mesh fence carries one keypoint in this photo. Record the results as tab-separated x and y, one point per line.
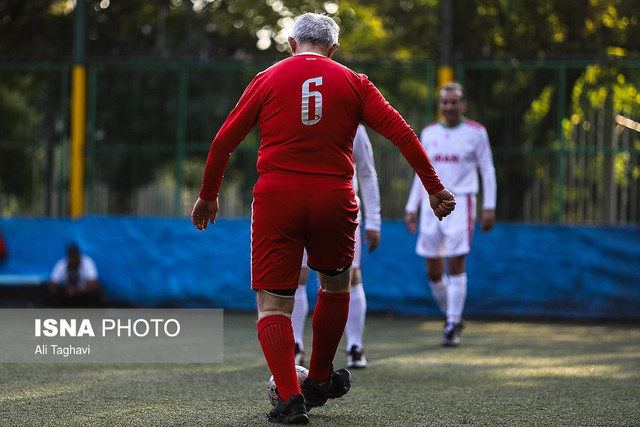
565	136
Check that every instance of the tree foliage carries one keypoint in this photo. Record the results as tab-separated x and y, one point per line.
517	105
399	30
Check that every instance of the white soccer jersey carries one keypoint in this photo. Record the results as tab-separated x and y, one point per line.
368	177
457	154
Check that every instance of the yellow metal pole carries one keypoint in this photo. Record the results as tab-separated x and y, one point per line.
78	138
445	75
78	112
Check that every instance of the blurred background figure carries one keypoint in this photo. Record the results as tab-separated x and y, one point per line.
458	148
74	281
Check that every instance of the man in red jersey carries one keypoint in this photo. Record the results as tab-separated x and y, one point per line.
307	109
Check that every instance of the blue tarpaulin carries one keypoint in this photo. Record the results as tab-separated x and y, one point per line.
515	270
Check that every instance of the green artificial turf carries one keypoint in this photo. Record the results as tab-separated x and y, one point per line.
503	374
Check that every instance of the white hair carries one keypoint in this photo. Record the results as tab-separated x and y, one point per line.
317	29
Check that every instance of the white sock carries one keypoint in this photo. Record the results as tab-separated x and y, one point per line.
439	292
299	314
456	295
357	313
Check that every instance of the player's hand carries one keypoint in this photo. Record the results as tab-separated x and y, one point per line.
411	220
204	212
372	238
488	219
443	203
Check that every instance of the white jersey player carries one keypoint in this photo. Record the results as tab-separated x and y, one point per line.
458	149
366	180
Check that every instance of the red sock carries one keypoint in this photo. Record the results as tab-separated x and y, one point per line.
329	320
276	338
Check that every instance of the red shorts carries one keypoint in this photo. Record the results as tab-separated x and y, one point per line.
295	211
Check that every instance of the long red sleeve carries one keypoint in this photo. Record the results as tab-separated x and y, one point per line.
235	128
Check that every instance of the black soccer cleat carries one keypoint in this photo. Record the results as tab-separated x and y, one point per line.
356	358
293	411
451	334
337	386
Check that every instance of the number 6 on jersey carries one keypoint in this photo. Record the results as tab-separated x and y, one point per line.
311	117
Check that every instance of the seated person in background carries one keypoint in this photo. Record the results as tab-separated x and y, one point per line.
74	281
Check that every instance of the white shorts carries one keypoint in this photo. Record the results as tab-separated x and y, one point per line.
450	237
357	253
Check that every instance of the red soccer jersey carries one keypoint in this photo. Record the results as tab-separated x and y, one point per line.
307	108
